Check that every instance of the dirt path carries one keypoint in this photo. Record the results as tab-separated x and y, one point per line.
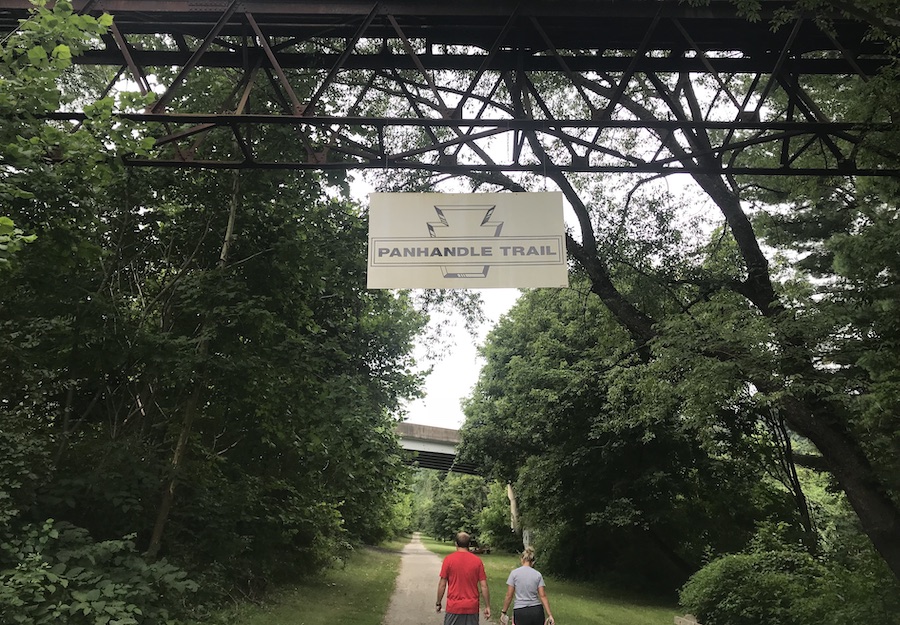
413	600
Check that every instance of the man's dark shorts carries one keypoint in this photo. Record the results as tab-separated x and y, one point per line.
460	619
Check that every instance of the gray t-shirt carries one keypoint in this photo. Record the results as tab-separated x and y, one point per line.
526	581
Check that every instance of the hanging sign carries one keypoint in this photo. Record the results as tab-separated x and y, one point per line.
466	240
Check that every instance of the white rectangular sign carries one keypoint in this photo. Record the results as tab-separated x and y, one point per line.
466	240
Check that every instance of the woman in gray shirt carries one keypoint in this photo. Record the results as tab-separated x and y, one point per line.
527	585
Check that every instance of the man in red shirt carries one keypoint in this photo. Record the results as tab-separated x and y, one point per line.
462	574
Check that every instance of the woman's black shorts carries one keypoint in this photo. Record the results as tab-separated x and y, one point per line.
532	615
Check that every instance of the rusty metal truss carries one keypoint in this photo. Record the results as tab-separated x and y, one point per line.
469	86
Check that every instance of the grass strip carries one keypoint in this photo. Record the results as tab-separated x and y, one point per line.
356	594
571	602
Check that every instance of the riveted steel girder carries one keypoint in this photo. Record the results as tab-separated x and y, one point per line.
469	86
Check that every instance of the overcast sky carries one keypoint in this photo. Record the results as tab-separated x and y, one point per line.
453	377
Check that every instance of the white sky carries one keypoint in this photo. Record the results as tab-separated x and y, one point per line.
453	377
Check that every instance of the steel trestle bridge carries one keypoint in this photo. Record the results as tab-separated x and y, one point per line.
476	88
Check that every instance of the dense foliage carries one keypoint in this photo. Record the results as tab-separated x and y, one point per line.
447	503
774	582
741	327
64	576
198	391
609	484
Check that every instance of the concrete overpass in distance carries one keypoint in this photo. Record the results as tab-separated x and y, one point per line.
431	447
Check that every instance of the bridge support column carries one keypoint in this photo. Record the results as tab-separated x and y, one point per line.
514	521
513	508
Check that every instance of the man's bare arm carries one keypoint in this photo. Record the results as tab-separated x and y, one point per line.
442	587
487	598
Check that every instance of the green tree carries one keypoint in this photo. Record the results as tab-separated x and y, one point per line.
191	359
742	321
606	481
457	505
424	485
51	177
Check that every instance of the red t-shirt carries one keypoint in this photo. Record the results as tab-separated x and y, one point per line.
463	571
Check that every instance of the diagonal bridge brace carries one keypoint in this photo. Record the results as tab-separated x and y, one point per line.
422	85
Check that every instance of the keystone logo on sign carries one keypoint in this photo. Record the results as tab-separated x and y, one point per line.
474	240
453	220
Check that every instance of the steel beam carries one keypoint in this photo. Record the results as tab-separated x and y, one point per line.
444	86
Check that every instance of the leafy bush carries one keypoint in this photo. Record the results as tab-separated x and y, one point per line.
55	573
24	459
766	588
11	239
784	588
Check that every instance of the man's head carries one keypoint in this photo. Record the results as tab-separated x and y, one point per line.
463	540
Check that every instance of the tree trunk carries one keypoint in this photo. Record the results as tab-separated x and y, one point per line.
190	410
819	421
788	476
513	508
168	495
878	514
